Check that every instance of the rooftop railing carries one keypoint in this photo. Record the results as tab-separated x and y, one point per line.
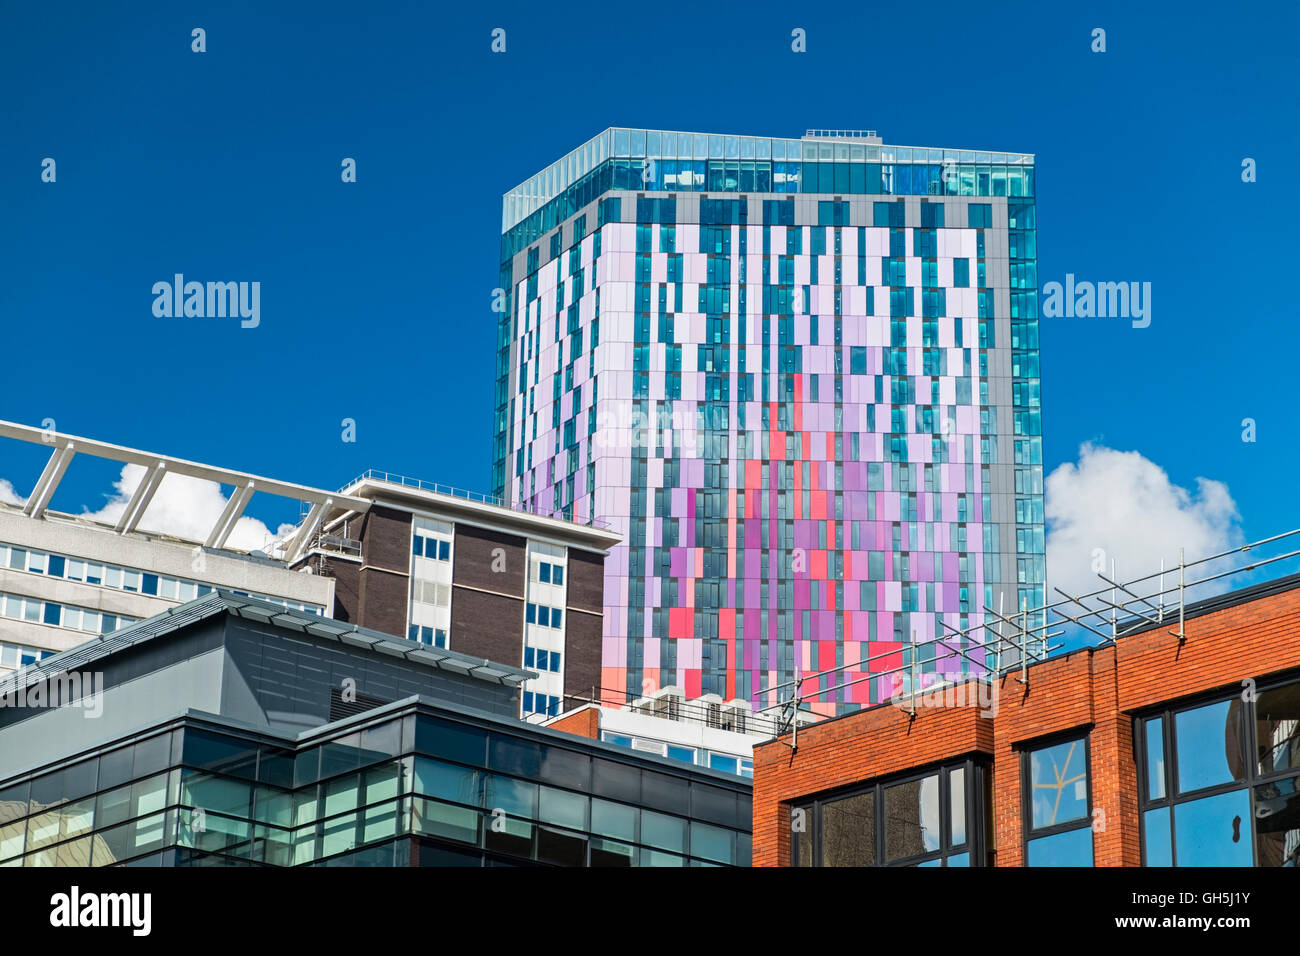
562	514
1005	643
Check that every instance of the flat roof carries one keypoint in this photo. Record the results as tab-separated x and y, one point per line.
623	143
423	496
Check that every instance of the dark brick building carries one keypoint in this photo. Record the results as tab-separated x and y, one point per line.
474	577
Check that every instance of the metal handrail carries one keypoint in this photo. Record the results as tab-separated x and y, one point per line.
1030	639
476	496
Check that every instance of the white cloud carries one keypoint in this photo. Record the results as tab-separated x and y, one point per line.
1125	505
8	495
186	508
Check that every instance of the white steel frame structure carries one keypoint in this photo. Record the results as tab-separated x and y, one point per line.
65	447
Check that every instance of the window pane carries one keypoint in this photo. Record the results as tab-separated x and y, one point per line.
957	788
611	853
1155	832
723	762
1155	753
516	797
215	794
659	858
1060	783
340	756
662	792
1073	848
454	741
848	832
13	802
566	809
338	834
441	819
665	832
617	780
801	847
1214	831
431	855
712	843
1209	745
509	833
341	794
513	755
228	755
121	843
1277	823
11	839
447	781
961	859
1277	728
561	847
912	817
613	819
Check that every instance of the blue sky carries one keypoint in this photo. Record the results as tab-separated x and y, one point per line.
376	296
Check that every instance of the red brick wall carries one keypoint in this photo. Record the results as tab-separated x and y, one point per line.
1096	689
583	723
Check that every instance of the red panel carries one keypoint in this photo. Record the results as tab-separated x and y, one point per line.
678	622
889	661
726	623
818	565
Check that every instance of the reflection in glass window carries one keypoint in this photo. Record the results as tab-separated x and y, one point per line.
663	831
1277	823
919	821
1206	804
1059	828
444	820
1059	779
1208	741
613	819
1071	848
957	807
1155	837
1214	831
1277	728
849	831
564	808
912	818
1155	753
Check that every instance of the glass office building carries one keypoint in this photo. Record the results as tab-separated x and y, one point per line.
414	787
801	377
237	732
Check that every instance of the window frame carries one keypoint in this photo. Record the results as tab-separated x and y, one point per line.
1029	832
1251	779
976	847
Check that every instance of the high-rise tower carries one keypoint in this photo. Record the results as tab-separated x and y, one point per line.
800	376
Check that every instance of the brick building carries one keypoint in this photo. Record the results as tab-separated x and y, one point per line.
1148	751
465	573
